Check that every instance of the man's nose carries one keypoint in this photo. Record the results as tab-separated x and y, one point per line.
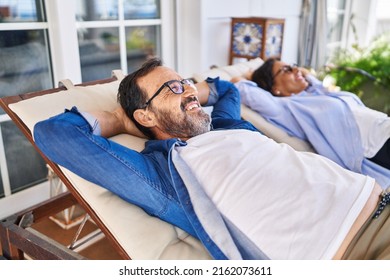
190	90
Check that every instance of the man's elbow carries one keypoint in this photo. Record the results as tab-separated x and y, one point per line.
55	136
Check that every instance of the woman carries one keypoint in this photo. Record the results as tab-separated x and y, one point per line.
337	124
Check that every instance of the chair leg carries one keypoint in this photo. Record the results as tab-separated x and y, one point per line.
18	239
9	251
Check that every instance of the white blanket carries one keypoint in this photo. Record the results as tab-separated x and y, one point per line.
292	205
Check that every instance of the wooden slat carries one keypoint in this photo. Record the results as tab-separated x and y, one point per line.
15	239
8	250
39	246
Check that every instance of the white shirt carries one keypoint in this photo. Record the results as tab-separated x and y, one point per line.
374	126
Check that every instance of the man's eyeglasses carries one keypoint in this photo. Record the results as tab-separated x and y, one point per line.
176	86
285	69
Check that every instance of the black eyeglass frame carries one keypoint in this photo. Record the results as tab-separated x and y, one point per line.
168	85
285	69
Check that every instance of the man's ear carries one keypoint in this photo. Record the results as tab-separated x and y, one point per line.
144	117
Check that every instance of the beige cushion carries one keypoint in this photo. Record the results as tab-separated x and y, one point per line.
142	236
230	71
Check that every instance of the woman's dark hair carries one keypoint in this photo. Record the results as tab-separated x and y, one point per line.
263	76
131	97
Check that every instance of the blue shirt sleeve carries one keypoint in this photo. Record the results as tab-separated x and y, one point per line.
316	87
225	98
259	100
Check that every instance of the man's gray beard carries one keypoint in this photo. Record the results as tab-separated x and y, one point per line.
184	125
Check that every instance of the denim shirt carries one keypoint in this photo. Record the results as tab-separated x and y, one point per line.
148	179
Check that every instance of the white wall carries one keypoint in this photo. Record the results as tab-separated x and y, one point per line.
204	29
63	40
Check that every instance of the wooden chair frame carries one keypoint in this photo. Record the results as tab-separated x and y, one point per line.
17	238
15	235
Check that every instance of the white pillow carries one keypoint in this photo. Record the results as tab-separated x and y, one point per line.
230	71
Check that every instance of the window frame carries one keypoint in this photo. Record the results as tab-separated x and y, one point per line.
15	26
332	47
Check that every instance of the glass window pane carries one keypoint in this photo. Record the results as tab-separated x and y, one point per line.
93	10
99	52
334	5
25	166
335	27
141	9
141	42
22	11
24	67
24	62
335	17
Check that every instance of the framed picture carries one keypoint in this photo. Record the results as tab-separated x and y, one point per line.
256	37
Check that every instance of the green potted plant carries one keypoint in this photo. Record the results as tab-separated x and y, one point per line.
365	72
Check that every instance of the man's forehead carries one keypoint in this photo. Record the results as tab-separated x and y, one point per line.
159	76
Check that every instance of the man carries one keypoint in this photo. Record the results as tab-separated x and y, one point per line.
240	193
